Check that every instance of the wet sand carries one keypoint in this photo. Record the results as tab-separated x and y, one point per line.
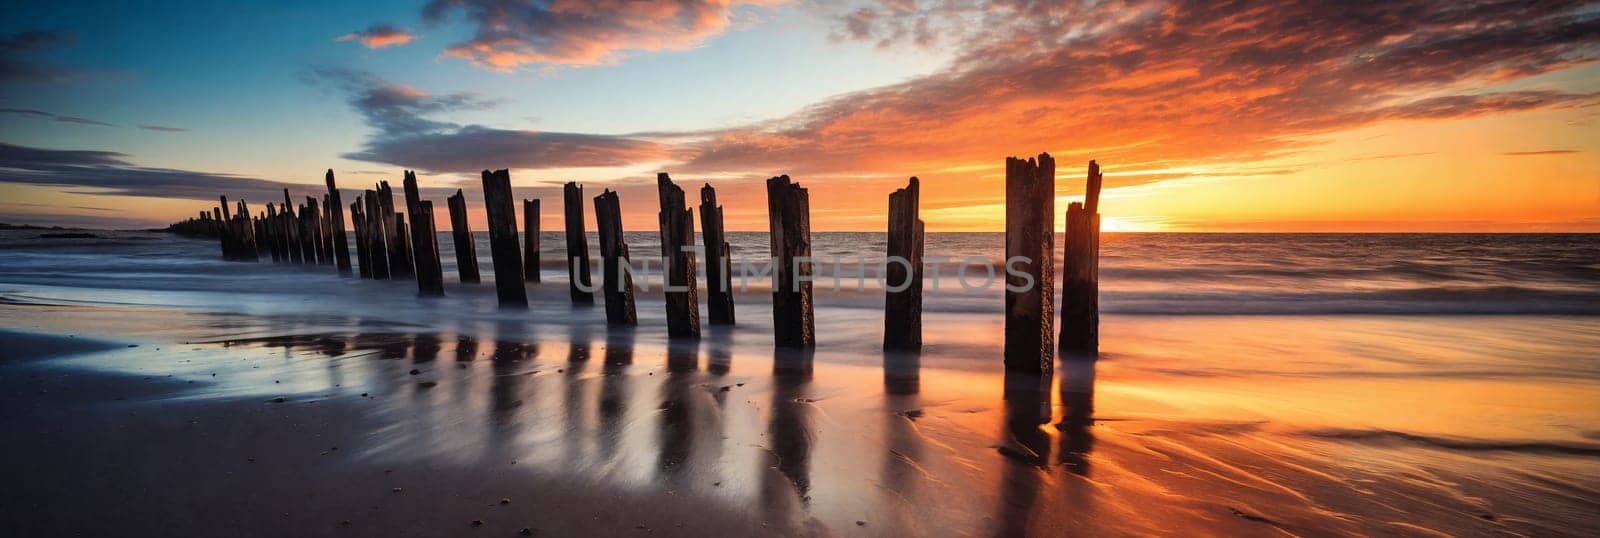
1187	425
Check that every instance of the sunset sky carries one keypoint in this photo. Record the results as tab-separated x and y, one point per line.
1438	115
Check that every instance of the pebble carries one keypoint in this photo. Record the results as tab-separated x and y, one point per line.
526	531
415	371
505	501
477	523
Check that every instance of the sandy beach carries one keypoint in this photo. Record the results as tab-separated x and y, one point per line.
169	416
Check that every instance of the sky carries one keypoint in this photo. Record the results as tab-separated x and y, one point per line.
1429	115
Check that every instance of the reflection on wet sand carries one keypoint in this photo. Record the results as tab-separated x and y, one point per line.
788	492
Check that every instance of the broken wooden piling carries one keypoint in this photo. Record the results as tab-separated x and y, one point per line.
1030	266
341	247
431	284
326	254
396	242
358	223
461	235
789	229
291	228
902	293
270	225
677	260
424	242
577	245
503	239
311	215
719	279
530	240
377	247
613	254
1080	273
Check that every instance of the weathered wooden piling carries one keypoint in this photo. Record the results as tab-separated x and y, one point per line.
503	239
311	213
461	234
902	295
530	240
270	224
789	228
341	247
326	254
1080	273
377	248
395	240
577	245
229	250
1030	216
430	271
678	260
424	240
291	229
613	253
719	279
358	224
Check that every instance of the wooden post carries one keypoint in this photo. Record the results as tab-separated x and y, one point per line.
1030	221
719	280
613	253
313	216
341	246
291	225
789	227
225	237
577	244
461	233
358	223
902	310
530	240
503	239
1080	274
395	241
430	273
326	255
270	225
677	260
377	250
424	240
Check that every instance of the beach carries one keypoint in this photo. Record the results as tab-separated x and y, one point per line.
1260	385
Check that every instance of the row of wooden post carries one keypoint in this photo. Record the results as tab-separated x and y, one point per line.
387	248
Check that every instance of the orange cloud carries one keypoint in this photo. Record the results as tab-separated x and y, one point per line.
379	36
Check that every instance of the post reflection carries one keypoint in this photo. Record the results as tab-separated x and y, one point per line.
677	414
1026	447
719	360
1077	413
789	432
614	389
902	372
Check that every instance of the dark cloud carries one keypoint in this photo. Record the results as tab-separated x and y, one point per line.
18	62
405	136
379	36
163	128
512	33
56	117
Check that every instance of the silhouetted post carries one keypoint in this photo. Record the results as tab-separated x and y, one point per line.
224	235
395	240
577	244
430	272
1030	216
246	232
677	259
503	239
270	224
614	252
424	240
358	223
789	225
902	294
461	233
313	217
327	231
377	250
263	240
530	240
291	226
719	280
341	247
1080	274
308	235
